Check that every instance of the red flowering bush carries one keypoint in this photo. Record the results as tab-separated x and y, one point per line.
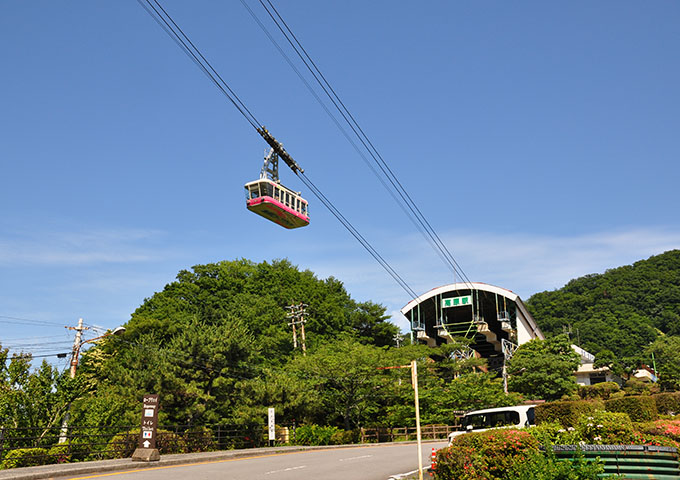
669	428
665	433
485	455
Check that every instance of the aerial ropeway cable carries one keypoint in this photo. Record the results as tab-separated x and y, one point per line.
288	214
395	187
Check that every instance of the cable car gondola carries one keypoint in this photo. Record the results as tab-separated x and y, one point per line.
271	200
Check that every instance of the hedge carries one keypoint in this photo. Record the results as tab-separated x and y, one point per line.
640	408
487	455
566	412
25	457
313	434
600	390
123	445
667	403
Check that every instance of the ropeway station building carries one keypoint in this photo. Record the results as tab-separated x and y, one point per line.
494	319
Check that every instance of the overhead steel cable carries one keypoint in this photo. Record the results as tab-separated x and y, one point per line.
347	136
428	231
372	251
416	216
182	40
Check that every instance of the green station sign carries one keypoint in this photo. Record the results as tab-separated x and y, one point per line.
457	301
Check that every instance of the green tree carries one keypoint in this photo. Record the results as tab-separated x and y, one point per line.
35	399
344	374
666	351
443	401
195	372
370	324
544	369
621	367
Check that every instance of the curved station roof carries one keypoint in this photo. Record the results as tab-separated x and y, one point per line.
493	318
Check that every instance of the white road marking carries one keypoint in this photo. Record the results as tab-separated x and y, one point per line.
398	476
286	469
356	458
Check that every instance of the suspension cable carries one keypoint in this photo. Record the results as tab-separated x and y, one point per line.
416	216
163	18
347	136
182	40
355	233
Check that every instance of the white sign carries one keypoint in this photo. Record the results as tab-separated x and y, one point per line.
149	412
272	425
147	434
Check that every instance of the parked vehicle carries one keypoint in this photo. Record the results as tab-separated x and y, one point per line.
480	420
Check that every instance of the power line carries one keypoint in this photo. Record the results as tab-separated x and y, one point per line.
28	321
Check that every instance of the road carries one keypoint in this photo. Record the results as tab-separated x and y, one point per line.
379	462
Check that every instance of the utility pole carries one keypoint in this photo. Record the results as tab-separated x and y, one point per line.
78	342
76	345
296	315
302	328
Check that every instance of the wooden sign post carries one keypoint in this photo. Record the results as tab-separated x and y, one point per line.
146	448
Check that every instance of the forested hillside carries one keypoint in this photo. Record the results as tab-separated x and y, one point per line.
622	310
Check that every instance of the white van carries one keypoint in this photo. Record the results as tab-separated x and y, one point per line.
481	420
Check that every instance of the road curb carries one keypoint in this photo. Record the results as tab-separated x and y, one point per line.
122	464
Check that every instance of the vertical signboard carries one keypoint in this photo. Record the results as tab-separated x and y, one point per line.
272	425
147	436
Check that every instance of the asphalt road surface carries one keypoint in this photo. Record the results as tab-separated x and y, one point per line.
379	462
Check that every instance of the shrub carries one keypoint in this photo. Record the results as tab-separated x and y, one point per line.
485	455
345	437
545	466
640	408
60	453
314	434
199	439
25	457
123	445
600	390
566	413
553	433
662	432
667	403
605	428
644	438
635	386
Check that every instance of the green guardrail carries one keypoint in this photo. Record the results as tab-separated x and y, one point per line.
634	462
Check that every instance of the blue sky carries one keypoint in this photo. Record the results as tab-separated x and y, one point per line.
540	139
